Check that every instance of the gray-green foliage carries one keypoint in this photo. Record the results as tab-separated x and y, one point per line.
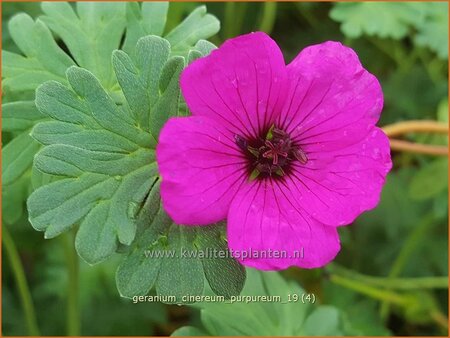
248	317
104	151
152	19
84	34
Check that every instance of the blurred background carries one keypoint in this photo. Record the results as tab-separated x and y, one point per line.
406	46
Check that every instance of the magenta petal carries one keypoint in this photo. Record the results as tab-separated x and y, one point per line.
337	186
201	170
332	99
240	85
266	217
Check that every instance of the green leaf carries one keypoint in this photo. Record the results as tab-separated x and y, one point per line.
383	19
43	59
225	275
9	10
17	155
151	20
148	20
20	116
104	175
167	106
204	47
141	86
430	180
274	316
91	33
198	25
433	31
180	276
137	274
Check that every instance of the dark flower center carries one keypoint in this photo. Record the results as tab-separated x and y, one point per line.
270	155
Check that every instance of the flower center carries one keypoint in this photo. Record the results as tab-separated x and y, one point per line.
270	155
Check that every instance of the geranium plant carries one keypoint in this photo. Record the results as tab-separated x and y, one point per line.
193	163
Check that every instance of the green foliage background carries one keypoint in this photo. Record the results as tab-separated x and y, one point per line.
404	44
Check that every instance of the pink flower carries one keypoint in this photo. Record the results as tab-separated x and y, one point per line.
285	153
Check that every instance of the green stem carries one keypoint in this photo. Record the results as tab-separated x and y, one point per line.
19	275
408	248
73	312
268	17
392	283
384	295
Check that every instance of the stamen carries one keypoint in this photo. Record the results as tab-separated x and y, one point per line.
270	155
241	142
300	155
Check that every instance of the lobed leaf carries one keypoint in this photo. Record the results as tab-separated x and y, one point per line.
17	157
392	20
20	116
151	20
42	58
198	25
91	33
150	84
103	174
